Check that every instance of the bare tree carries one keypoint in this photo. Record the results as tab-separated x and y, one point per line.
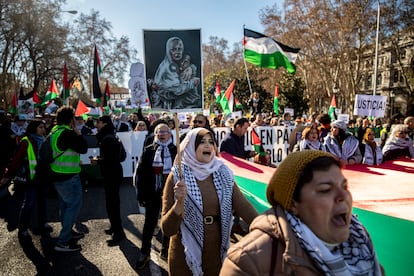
115	54
332	36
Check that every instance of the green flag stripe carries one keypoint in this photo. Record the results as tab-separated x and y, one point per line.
273	61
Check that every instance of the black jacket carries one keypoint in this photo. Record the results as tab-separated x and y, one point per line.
146	174
109	153
234	145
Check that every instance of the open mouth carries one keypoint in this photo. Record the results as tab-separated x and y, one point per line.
207	153
340	219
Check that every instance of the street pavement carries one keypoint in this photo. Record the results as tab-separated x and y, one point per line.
37	256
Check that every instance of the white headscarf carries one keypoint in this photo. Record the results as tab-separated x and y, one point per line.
199	169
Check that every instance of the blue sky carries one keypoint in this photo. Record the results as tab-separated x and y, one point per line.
221	18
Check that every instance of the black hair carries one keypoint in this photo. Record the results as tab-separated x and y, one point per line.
324	119
240	122
65	115
33	125
322	163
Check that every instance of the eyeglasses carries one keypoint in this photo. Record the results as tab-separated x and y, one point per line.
198	121
141	125
161	132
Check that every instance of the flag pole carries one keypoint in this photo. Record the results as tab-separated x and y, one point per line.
177	143
245	66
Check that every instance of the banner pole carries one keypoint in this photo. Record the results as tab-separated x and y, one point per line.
177	142
245	67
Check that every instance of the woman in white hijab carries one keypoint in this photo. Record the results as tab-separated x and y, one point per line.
197	209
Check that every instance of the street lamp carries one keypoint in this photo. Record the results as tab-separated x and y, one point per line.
374	92
71	11
392	96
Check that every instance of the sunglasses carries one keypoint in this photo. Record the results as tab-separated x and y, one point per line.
141	125
198	122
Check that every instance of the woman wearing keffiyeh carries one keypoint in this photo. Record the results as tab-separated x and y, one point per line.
310	140
310	228
197	209
343	144
153	169
398	145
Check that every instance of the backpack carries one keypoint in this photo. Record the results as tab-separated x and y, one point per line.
121	149
43	169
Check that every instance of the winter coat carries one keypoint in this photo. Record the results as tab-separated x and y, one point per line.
270	237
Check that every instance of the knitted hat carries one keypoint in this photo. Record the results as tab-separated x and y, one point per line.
283	182
339	124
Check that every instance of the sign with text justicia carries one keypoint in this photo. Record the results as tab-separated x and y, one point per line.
369	105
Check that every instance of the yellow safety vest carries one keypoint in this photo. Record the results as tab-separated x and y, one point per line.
69	161
31	157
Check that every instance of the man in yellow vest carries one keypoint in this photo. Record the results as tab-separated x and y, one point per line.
67	145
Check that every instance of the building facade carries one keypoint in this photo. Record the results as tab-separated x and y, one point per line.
395	74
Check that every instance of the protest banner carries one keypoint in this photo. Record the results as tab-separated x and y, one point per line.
275	141
369	105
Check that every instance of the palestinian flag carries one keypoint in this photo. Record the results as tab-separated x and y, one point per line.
332	109
238	103
14	104
217	93
97	70
266	52
227	99
393	211
257	143
66	89
107	95
83	109
106	98
52	93
276	101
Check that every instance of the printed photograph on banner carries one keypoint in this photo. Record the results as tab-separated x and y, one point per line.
173	69
137	85
26	107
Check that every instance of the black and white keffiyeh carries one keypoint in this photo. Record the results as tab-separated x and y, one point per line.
349	146
162	158
306	144
356	256
394	143
371	156
192	227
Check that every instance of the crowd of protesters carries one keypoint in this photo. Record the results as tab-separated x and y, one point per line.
360	141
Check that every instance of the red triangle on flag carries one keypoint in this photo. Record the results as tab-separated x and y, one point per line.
255	138
36	98
333	102
53	88
81	108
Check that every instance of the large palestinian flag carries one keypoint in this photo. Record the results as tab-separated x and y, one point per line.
266	52
383	200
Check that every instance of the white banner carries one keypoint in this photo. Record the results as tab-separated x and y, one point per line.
275	140
369	105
